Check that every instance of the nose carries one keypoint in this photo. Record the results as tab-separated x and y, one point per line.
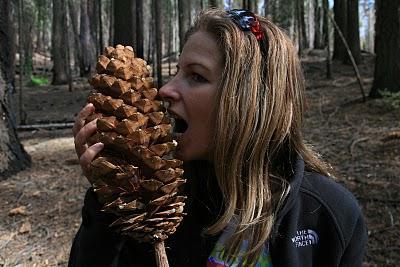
169	91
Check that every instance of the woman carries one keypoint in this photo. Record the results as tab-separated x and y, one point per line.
258	194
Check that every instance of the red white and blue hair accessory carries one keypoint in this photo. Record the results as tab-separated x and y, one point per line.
247	21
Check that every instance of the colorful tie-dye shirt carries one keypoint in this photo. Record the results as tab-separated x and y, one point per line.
215	259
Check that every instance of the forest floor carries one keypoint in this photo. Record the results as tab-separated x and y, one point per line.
40	207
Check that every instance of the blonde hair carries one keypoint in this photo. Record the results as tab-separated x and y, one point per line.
258	125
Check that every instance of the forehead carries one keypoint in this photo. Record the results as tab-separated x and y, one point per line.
201	48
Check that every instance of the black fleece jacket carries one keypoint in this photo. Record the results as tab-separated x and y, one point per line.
320	224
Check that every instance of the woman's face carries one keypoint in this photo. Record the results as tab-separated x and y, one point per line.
192	94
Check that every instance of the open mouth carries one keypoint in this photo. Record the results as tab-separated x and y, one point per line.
180	126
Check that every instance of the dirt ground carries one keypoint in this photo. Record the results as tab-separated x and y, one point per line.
40	206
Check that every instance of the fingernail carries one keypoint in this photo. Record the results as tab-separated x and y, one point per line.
99	145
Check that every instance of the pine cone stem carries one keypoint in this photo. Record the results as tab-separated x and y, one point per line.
161	255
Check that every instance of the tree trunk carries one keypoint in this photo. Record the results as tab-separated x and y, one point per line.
326	38
369	42
353	31
92	12
212	3
300	25
340	12
311	29
184	20
318	42
266	8
170	36
253	5
73	15
7	46
387	47
111	23
28	15
12	155
302	21
86	42
100	19
139	29
59	53
158	29
123	22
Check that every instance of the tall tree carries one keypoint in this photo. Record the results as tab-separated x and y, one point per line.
86	42
387	47
73	11
266	8
100	20
301	25
29	20
124	22
326	38
340	13
158	7
310	22
250	5
318	41
184	20
13	157
213	3
93	18
139	29
58	51
353	31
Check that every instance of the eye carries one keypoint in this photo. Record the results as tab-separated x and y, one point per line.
198	78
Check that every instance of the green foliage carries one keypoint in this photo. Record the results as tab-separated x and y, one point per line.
391	98
37	81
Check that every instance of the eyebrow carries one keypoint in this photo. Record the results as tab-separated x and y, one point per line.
200	65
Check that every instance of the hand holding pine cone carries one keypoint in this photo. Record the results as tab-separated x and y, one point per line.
135	176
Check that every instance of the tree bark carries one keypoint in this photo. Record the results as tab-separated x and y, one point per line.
28	15
59	53
73	15
353	31
266	8
123	22
86	42
92	11
300	25
340	14
302	21
387	47
7	44
13	157
212	3
326	39
158	7
318	42
311	29
100	19
139	29
325	23
184	20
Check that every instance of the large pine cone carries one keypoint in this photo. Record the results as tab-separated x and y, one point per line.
135	176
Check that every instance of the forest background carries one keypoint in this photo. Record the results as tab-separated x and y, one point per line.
350	51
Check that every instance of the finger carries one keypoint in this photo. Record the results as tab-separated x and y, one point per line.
82	136
88	156
81	117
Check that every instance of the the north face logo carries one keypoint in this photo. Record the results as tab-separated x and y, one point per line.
305	238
